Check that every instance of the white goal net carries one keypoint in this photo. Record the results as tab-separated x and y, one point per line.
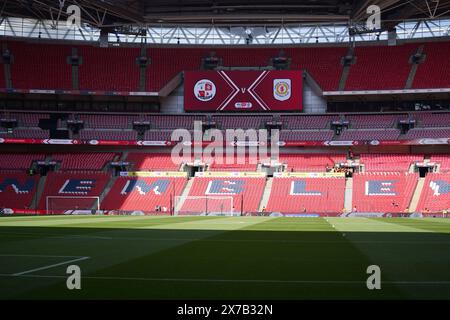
72	205
204	205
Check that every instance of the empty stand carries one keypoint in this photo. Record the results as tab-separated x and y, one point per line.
388	162
109	68
127	135
19	160
17	189
383	191
311	195
307	122
354	135
84	161
311	162
427	133
297	135
40	66
73	185
143	194
374	121
435	193
380	67
433	73
152	161
243	190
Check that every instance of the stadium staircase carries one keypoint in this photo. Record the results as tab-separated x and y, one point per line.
105	191
416	197
266	194
348	200
413	71
39	190
184	194
345	70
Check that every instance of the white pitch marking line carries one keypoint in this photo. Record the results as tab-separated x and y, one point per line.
50	266
37	256
240	280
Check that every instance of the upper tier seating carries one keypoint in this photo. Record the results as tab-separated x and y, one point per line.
243	190
113	69
436	193
389	162
380	67
19	161
312	195
143	194
40	66
433	73
44	66
311	162
76	187
383	191
83	161
17	189
152	161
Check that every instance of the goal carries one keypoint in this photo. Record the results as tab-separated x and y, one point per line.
72	205
204	205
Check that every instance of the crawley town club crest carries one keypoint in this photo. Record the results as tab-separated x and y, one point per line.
282	89
204	90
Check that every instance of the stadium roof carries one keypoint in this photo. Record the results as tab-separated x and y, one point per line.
108	13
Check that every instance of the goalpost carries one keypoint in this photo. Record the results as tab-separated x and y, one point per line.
72	205
204	206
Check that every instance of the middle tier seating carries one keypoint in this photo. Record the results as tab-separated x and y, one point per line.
152	161
311	162
84	161
389	162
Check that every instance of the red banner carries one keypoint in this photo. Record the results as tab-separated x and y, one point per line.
243	91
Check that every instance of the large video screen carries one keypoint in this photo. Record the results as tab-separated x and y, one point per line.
243	91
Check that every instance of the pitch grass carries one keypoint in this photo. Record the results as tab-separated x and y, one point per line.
223	257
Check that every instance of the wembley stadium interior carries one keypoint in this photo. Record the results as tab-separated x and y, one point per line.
315	139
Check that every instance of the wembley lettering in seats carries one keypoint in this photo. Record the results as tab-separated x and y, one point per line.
157	187
77	187
225	187
243	90
380	188
299	188
440	187
17	186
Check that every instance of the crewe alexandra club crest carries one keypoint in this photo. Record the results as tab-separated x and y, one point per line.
282	89
204	90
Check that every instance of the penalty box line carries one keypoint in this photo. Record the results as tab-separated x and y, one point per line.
26	272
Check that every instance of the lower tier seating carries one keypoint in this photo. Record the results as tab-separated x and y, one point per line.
312	195
436	193
143	194
74	188
383	192
17	189
244	191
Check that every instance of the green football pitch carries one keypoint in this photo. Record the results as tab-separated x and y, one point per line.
133	257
